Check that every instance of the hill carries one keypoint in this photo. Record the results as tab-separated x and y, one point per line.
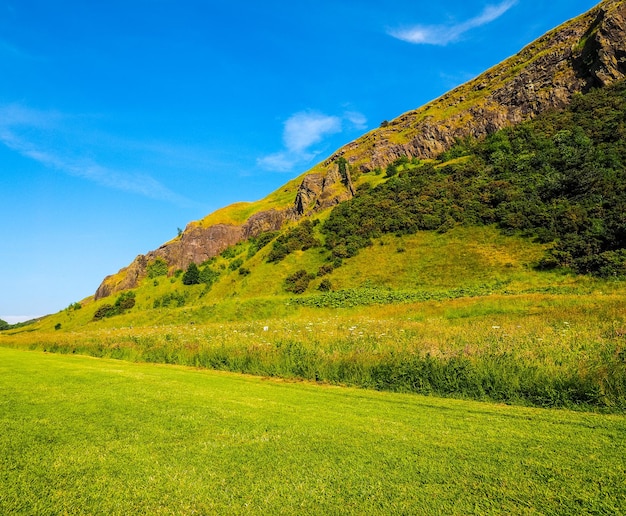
489	264
581	54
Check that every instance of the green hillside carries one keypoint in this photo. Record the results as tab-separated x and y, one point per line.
495	272
390	335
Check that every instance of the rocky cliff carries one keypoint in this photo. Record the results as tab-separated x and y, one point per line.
587	52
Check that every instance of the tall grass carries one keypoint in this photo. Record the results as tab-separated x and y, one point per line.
539	349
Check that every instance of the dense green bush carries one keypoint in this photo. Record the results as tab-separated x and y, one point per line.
235	264
74	307
259	242
125	301
105	310
208	275
325	269
156	267
191	275
325	285
298	282
232	251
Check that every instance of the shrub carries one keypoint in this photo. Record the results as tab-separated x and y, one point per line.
232	251
191	275
259	242
208	275
298	282
391	170
156	267
325	285
105	310
299	238
235	264
125	301
325	269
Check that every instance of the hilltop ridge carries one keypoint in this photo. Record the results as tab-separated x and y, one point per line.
586	52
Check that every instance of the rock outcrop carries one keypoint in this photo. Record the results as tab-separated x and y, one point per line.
195	244
318	192
587	52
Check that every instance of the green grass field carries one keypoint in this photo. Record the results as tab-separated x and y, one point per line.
80	435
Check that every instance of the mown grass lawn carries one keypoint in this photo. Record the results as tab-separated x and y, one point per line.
80	435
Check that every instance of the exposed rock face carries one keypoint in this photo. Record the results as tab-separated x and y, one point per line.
604	53
263	221
318	192
196	244
587	52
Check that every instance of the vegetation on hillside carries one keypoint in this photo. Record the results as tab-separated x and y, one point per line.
125	301
560	179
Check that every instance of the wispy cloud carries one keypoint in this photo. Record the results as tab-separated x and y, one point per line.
304	130
444	34
35	134
14	319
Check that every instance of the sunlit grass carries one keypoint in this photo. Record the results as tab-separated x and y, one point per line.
85	436
545	349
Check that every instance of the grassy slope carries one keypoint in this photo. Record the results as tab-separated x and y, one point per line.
84	436
497	328
427	261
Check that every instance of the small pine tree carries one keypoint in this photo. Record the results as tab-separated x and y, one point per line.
191	275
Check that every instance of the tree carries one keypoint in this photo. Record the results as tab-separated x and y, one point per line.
192	275
3	325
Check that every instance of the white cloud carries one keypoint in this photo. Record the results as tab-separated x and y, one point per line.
308	128
14	319
304	130
444	34
34	134
357	120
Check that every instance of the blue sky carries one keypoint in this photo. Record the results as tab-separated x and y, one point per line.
122	121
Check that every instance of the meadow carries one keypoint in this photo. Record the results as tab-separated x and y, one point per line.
97	436
542	349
